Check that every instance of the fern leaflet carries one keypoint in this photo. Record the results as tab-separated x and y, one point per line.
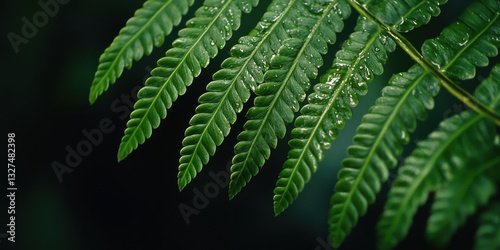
468	190
474	35
428	167
488	234
230	89
465	136
147	28
355	64
406	15
200	41
284	85
451	207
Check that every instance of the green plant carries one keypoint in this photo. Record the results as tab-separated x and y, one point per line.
276	63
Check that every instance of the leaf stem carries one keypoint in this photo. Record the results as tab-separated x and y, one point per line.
406	45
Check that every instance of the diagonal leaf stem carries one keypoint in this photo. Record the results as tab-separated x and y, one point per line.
452	87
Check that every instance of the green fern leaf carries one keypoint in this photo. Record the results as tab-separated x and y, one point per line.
488	91
200	41
146	29
230	89
385	129
463	136
482	23
488	234
468	190
355	65
429	165
377	144
285	85
406	15
473	186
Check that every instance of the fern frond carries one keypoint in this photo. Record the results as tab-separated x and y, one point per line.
285	84
437	160
355	65
230	89
488	234
200	41
385	129
146	29
468	190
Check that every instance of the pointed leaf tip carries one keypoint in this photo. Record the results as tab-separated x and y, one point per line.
181	184
122	154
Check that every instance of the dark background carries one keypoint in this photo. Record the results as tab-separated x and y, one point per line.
134	204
